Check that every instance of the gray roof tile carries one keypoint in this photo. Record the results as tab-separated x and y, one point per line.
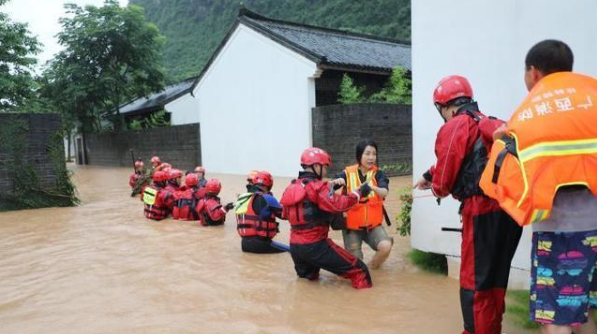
335	47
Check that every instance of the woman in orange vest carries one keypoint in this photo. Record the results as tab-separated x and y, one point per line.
363	221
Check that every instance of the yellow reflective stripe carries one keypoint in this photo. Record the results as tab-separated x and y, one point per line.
371	180
559	148
539	215
353	181
522	171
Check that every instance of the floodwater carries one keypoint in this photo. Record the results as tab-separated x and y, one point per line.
102	267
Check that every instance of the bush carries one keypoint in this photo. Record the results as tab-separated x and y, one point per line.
406	198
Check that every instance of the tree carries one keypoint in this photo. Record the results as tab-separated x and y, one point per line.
398	89
17	47
112	54
349	93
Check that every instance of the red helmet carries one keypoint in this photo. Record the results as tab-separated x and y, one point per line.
174	174
200	169
191	180
213	186
450	88
251	175
263	178
314	155
156	160
159	176
165	166
139	164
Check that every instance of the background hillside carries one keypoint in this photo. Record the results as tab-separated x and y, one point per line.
194	28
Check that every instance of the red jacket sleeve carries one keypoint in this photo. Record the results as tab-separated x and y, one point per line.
319	192
454	141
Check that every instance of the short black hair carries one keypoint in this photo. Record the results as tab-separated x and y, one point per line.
550	56
362	145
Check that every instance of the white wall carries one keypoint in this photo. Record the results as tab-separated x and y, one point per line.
255	106
485	41
183	110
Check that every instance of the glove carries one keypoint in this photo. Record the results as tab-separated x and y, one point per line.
229	206
365	190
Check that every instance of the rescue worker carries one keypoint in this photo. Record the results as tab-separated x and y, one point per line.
173	183
186	200
140	179
164	166
256	213
210	211
364	220
489	235
543	172
200	172
137	174
155	162
310	205
158	201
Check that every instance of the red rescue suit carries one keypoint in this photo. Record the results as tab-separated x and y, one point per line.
310	208
210	211
489	235
158	202
186	202
133	179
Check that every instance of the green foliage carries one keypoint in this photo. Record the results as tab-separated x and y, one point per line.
349	93
111	55
432	262
398	89
155	120
195	28
517	308
403	168
406	198
17	48
27	191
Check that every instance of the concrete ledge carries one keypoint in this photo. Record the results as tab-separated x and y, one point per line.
519	278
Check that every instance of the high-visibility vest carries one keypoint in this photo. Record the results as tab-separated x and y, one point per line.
368	213
552	144
149	195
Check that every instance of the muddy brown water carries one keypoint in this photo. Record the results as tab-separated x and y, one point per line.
102	267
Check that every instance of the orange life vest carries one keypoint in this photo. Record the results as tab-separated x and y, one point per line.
368	213
552	143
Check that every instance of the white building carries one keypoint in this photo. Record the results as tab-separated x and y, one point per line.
485	41
255	95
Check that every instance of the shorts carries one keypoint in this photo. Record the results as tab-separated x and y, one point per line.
372	238
563	277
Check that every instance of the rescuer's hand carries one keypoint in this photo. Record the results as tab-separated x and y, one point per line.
229	206
422	184
500	132
365	189
339	182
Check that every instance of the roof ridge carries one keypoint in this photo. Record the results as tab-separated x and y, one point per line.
244	12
